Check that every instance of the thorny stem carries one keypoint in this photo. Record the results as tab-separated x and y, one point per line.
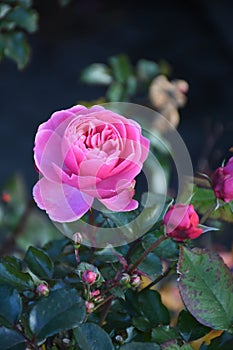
146	252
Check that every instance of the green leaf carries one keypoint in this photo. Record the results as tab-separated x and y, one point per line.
147	70
166	250
190	328
61	310
11	340
23	18
164	334
204	198
140	346
17	48
115	92
11	276
118	293
4	9
151	265
206	285
141	323
55	248
90	336
152	307
42	228
107	255
121	66
97	73
10	306
39	263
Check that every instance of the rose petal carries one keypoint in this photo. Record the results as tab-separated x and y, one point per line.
61	202
46	152
121	202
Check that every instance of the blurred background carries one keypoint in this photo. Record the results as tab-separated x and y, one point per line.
194	37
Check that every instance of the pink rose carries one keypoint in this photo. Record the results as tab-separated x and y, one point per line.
84	154
181	222
222	182
89	277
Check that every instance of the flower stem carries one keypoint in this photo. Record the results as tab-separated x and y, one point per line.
160	277
208	213
146	252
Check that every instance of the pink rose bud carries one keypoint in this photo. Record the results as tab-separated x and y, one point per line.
181	222
42	289
222	182
95	293
125	279
89	277
89	306
135	281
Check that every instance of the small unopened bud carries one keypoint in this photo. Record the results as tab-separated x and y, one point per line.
119	339
77	238
95	293
125	279
89	306
6	197
89	277
42	289
135	281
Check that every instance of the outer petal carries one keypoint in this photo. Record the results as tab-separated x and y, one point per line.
61	202
121	202
60	119
47	151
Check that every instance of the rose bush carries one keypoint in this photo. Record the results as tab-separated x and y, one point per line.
222	182
181	222
84	154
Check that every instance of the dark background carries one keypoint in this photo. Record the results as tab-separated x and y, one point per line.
195	37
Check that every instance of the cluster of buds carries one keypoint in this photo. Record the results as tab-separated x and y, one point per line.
130	281
94	298
43	289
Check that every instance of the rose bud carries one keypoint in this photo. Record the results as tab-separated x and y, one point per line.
95	293
89	306
42	289
181	222
125	280
6	197
135	281
89	277
222	182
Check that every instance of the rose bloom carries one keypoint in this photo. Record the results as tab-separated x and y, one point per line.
181	222
222	182
82	154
